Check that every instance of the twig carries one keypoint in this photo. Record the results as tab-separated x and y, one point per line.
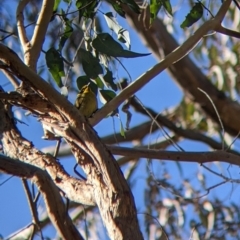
234	140
6	180
212	187
157	123
218	116
57	148
33	208
237	4
11	78
155	219
77	173
198	157
228	32
15	33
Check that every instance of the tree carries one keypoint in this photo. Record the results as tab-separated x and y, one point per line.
57	38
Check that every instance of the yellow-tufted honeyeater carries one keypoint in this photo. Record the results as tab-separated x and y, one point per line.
86	101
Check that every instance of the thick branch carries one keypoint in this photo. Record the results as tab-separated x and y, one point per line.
31	102
17	168
199	157
111	191
33	208
17	147
55	206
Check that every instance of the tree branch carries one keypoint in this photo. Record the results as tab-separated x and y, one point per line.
173	57
185	133
40	32
111	191
186	73
32	48
199	157
228	32
55	206
11	78
74	189
33	209
20	24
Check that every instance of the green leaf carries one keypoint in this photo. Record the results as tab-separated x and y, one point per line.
55	65
106	95
82	81
122	132
86	8
85	80
104	43
167	5
109	79
130	54
123	34
90	64
117	7
99	82
155	6
67	33
112	22
194	15
56	4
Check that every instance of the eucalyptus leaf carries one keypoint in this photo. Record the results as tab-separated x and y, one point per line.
109	79
123	34
117	7
55	65
167	6
86	8
90	64
155	6
82	81
56	4
67	33
99	82
106	95
122	132
194	15
85	80
105	44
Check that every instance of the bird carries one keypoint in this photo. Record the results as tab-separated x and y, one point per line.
86	101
